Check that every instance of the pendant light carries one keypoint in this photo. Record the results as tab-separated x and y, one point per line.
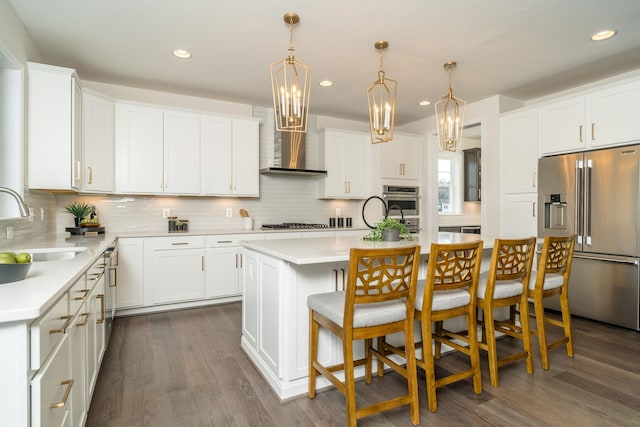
291	87
450	116
382	102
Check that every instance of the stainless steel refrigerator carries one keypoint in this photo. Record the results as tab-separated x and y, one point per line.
595	194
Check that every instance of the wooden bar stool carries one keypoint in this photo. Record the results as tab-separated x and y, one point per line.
379	300
552	278
506	285
449	291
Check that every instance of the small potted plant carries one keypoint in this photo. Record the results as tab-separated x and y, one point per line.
389	230
79	210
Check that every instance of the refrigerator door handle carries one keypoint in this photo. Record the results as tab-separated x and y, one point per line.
578	202
620	260
587	202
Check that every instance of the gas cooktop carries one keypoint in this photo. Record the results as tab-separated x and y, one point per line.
292	225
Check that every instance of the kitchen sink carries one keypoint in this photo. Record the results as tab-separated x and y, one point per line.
54	254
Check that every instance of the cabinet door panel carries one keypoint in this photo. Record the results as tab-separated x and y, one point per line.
563	126
98	143
614	115
178	275
130	290
246	159
217	168
250	299
519	215
181	153
139	133
519	152
223	272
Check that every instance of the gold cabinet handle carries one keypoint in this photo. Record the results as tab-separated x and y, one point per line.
593	131
114	283
180	244
67	392
533	210
62	330
76	174
343	284
581	134
101	298
86	319
84	295
335	271
90	180
533	182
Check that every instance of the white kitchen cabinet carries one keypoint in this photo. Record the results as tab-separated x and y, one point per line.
519	152
79	391
344	155
174	269
225	260
96	325
98	142
400	157
604	117
51	388
130	292
519	215
230	156
158	150
250	300
55	128
181	152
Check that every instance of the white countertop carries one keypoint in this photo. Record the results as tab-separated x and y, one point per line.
334	249
46	281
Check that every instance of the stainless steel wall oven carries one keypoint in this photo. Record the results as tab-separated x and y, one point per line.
406	198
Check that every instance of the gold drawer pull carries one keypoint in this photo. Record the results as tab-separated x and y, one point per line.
86	319
180	243
101	297
67	392
84	295
64	327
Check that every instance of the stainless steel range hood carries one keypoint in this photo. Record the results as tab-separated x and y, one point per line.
289	156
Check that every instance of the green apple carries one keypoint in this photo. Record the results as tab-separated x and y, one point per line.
23	258
7	258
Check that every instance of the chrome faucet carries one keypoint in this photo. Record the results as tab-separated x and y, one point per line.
24	209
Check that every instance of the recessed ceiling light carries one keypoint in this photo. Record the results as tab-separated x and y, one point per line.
182	54
326	83
603	35
424	103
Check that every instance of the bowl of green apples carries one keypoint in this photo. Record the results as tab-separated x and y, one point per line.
14	267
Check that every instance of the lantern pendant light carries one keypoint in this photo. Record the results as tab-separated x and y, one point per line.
291	87
382	103
450	116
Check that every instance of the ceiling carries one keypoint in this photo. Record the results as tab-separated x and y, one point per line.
520	49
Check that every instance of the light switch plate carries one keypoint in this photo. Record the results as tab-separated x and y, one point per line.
229	212
10	232
166	212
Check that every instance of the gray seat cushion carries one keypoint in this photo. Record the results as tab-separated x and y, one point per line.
502	288
331	306
443	300
551	281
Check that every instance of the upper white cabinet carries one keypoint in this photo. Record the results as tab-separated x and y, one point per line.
519	152
400	157
344	155
230	156
98	142
55	128
158	150
604	117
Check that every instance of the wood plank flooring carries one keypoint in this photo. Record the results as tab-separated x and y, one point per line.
186	368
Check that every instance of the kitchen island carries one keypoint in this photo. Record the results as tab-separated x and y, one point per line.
279	275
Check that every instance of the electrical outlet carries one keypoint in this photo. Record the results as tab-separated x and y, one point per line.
9	232
31	214
41	214
166	213
229	212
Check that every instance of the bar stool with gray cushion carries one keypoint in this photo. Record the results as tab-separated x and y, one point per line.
449	291
552	278
379	300
505	285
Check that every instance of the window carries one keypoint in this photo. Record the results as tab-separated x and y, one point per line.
449	181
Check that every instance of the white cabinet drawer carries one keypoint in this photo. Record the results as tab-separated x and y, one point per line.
51	389
225	240
48	330
177	242
78	294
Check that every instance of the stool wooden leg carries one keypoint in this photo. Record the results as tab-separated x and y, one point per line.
350	383
313	354
412	374
526	332
542	336
368	356
492	351
381	343
438	345
429	365
474	350
566	321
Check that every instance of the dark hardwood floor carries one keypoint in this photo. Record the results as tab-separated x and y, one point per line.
186	368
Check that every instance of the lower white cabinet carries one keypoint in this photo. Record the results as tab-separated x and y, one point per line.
79	393
519	215
130	292
96	333
174	269
51	388
225	259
